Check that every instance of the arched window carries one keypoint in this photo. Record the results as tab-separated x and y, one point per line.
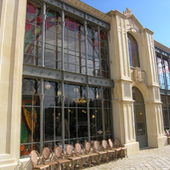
133	51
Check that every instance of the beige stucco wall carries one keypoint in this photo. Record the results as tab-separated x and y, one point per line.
12	27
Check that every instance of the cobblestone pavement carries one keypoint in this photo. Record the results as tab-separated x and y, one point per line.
150	159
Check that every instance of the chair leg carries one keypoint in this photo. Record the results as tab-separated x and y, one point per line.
59	166
81	163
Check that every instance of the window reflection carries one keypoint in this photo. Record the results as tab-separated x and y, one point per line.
52	104
33	34
164	73
82	123
74	42
74	46
75	113
42	99
93	63
166	110
53	39
30	122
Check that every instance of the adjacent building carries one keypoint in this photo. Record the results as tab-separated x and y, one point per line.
70	73
163	62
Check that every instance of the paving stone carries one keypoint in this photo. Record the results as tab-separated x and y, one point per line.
150	159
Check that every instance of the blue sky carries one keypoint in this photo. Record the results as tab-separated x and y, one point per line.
152	14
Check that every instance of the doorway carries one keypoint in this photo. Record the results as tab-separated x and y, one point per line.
140	118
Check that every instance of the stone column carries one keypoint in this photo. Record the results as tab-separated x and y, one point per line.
12	27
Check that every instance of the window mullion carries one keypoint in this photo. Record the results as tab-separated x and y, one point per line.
42	120
62	81
44	34
103	115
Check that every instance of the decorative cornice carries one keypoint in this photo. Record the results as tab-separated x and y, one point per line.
162	47
149	31
88	9
115	12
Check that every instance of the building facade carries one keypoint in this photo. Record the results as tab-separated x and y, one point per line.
163	63
72	73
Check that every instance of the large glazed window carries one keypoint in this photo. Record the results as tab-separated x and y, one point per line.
42	114
66	85
133	51
85	46
163	71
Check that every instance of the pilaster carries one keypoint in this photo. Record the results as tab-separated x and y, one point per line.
154	117
12	27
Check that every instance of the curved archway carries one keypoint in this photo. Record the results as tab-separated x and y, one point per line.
140	118
133	51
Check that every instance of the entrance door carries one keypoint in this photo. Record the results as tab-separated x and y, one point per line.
140	118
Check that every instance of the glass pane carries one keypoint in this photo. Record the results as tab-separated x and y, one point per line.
108	120
82	123
58	123
133	51
33	34
31	86
30	126
49	123
166	118
93	127
70	123
74	44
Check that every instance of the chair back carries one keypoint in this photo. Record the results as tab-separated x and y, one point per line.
96	145
46	153
78	148
87	147
69	149
110	143
34	157
104	144
58	151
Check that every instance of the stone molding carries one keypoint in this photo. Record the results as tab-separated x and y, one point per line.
88	9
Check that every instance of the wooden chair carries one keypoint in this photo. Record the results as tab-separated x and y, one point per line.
104	151
96	148
74	156
101	150
122	149
37	162
111	150
59	157
92	156
47	157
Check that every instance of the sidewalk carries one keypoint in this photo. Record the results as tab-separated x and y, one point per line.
150	159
